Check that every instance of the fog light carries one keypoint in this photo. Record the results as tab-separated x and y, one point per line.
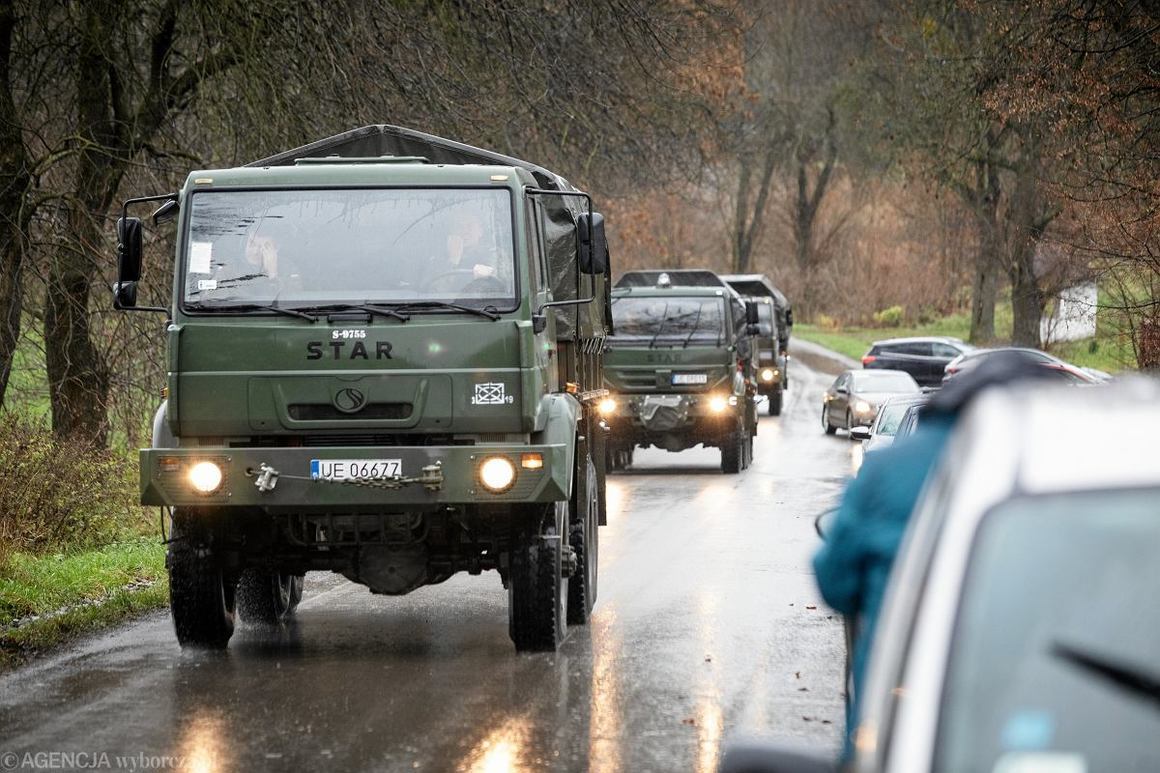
606	406
532	461
718	404
767	374
497	473
205	477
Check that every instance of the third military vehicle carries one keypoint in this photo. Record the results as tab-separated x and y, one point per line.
775	323
680	368
385	354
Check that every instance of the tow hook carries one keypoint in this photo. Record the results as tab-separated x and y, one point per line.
267	478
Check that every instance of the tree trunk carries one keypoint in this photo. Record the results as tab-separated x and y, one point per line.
14	215
78	379
1030	215
985	287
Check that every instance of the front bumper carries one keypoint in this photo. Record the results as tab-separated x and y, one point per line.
636	418
164	477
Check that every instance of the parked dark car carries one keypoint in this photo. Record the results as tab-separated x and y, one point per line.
1065	371
923	358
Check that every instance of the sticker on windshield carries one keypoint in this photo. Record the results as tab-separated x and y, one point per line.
491	393
207	284
200	255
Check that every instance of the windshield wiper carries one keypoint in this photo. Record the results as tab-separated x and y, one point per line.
1125	676
661	329
402	316
488	311
252	306
696	323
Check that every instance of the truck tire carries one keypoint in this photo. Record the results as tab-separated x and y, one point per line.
584	538
201	593
537	591
268	598
773	404
733	452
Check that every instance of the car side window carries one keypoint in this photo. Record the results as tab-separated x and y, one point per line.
945	350
917	348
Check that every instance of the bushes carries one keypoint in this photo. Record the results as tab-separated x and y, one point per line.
890	317
59	495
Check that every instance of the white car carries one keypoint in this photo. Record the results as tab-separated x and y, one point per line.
1021	629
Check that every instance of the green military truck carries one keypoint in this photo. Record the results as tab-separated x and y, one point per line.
680	368
385	359
775	323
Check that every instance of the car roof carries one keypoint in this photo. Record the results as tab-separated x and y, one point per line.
919	340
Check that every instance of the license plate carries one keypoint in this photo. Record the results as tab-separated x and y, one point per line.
355	469
690	378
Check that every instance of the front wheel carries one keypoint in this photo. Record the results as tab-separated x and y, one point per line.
733	452
583	538
537	590
773	404
826	425
201	592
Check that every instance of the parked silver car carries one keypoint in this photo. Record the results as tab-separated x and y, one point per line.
1020	628
891	417
853	399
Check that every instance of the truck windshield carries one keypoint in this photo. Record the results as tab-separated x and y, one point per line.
317	248
671	320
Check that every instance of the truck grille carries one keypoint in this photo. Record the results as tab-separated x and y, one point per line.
327	412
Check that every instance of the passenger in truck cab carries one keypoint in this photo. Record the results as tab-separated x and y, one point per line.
272	273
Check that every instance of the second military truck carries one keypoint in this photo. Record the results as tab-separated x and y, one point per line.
385	357
680	368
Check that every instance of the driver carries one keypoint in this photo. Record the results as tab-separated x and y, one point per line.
466	250
269	274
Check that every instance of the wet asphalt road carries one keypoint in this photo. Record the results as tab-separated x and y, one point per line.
707	625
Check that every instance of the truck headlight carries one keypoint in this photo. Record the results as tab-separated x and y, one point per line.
606	407
497	474
767	374
718	404
205	477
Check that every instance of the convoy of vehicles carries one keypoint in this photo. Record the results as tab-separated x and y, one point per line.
385	360
680	369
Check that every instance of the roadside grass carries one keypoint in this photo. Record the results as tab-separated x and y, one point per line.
1110	350
47	599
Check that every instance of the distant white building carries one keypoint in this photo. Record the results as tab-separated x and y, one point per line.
1074	318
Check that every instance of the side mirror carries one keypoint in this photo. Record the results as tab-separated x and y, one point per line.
751	315
166	212
860	433
129	248
124	295
593	246
842	391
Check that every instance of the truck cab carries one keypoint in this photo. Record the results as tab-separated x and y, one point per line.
385	357
775	324
680	370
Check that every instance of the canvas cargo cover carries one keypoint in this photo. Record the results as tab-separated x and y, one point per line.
585	321
759	284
